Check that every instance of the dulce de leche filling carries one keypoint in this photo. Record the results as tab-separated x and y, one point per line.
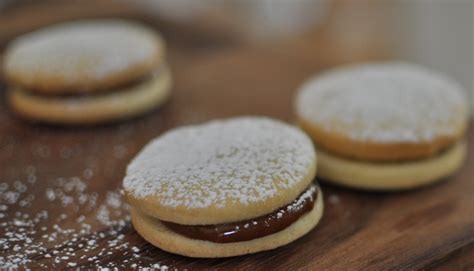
253	228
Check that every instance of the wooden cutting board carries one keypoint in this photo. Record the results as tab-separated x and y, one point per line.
217	77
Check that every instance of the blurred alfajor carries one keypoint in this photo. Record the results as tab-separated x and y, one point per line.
88	71
384	125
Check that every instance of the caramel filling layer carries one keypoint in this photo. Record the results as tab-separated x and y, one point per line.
253	228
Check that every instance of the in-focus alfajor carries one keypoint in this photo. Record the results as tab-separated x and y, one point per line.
225	188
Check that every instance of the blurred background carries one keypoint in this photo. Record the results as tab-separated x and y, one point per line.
436	33
242	57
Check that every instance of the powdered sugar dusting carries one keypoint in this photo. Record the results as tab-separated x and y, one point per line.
240	160
386	102
81	50
48	240
298	203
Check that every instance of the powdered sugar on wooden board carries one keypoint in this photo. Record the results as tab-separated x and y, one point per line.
385	102
241	160
50	240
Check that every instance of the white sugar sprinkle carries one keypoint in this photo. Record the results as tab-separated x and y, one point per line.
105	47
298	203
241	160
386	102
26	237
334	199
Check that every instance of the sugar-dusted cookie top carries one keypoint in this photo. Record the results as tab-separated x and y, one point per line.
384	103
82	56
221	171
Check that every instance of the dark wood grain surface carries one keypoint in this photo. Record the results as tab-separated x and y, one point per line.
217	76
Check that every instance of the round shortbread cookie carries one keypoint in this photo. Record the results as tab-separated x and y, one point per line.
385	111
97	108
390	176
222	171
155	232
83	56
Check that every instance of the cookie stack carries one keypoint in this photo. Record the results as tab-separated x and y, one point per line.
225	188
87	72
384	125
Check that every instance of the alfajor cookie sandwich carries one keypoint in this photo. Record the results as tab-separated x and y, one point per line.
86	72
384	125
225	188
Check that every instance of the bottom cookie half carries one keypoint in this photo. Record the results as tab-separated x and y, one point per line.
93	109
390	176
155	232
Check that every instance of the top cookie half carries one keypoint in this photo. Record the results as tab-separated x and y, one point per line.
222	171
383	111
83	56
